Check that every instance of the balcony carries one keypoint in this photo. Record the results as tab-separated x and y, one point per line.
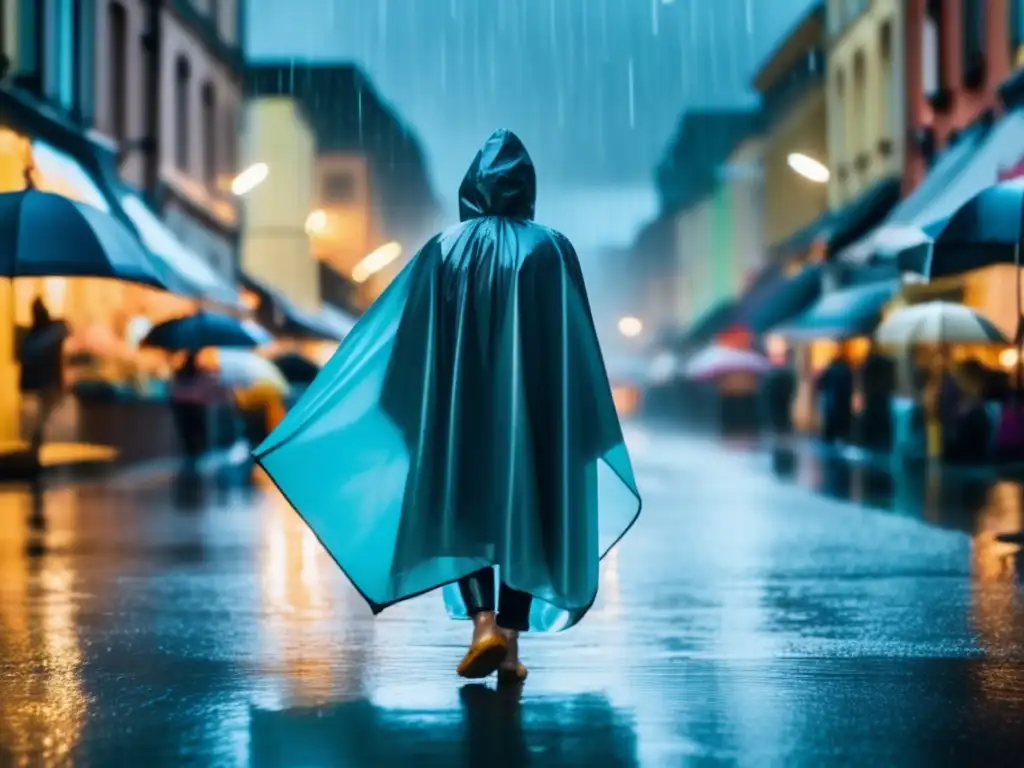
807	73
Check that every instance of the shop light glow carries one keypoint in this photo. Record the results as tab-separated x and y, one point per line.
808	167
316	223
250	178
375	261
631	327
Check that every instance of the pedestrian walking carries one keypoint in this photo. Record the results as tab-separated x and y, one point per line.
42	369
464	434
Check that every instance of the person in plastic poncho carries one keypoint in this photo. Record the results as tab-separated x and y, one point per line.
466	426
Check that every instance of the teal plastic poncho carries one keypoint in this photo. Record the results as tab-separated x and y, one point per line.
467	420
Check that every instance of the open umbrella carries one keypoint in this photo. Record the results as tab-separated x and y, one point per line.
938	322
48	235
244	368
715	361
985	230
205	329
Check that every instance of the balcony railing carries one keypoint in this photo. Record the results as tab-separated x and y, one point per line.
807	73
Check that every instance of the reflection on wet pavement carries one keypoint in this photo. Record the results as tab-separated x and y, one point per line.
744	621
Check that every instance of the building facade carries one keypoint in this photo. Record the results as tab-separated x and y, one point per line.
170	99
742	177
278	220
791	85
957	54
866	101
372	189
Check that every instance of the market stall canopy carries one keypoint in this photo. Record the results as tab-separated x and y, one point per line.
842	314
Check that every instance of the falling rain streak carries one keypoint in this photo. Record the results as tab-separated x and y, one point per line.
595	87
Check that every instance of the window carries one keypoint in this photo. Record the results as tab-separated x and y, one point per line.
60	53
31	38
973	41
3	31
117	79
1016	29
839	135
339	187
932	45
85	67
182	124
889	108
209	135
229	160
861	113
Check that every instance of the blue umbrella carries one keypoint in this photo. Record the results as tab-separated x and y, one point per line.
47	235
985	230
205	329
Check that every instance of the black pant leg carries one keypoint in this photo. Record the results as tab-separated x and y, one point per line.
477	591
513	608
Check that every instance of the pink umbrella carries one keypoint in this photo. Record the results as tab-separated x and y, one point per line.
715	361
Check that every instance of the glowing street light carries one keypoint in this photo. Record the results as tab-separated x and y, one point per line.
316	222
631	327
808	167
375	261
250	178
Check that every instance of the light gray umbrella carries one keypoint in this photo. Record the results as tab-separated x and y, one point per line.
938	322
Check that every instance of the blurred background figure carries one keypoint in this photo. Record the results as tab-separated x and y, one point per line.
835	397
42	368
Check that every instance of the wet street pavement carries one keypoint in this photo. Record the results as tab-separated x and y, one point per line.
749	618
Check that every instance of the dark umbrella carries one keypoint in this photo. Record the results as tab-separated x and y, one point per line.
205	329
296	368
47	235
985	230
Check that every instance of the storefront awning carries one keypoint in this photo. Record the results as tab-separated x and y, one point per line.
181	269
707	326
842	314
778	300
284	318
801	241
837	228
926	201
66	162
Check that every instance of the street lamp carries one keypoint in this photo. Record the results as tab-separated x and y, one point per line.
631	327
375	261
808	167
316	222
249	179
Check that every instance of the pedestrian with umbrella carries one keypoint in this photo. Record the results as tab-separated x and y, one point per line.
48	235
194	388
